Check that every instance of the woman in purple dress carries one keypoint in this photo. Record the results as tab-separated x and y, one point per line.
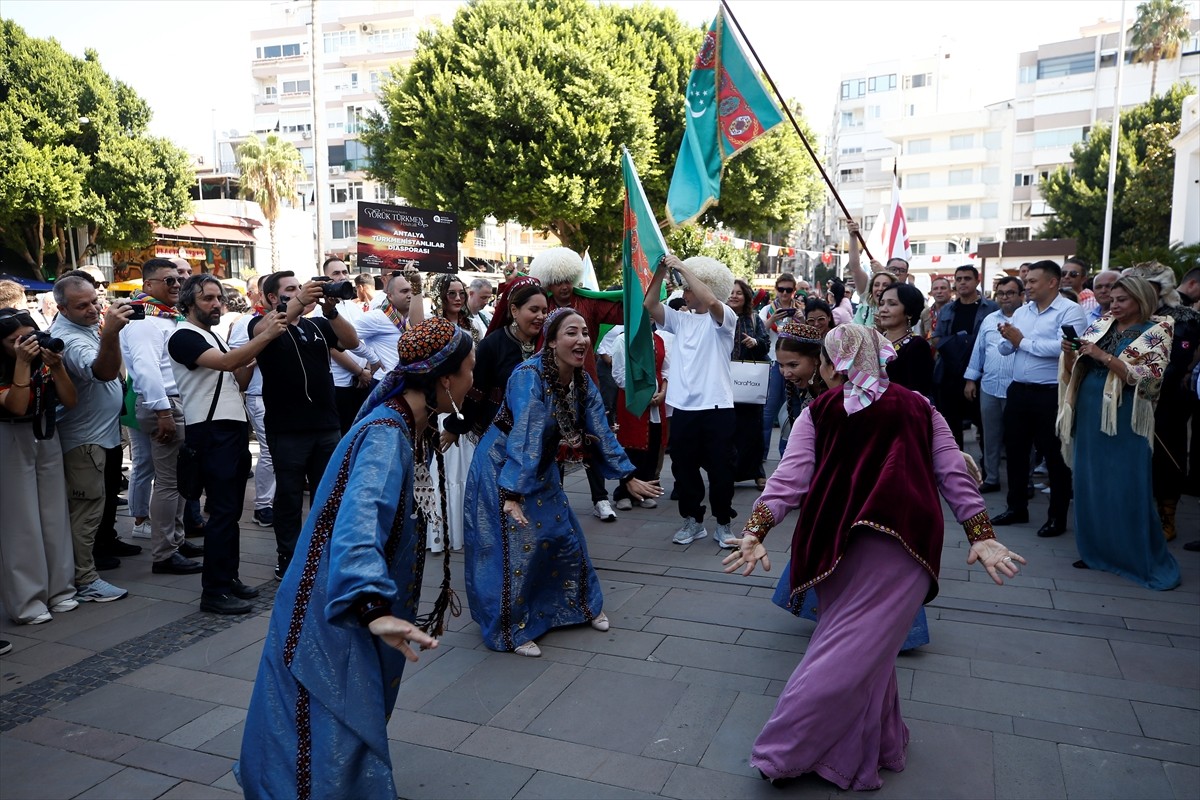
871	560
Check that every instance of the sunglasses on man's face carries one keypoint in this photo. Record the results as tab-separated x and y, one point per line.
169	281
785	289
1071	274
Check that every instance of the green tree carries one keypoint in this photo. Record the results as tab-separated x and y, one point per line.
269	171
519	110
689	240
1145	174
74	151
1157	33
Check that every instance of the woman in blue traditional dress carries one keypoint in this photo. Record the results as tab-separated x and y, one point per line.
527	565
872	561
1109	380
343	623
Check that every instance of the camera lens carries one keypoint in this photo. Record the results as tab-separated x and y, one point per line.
342	290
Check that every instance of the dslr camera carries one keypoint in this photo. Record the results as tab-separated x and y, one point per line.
339	290
46	341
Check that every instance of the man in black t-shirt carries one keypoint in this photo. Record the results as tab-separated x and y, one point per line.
954	338
301	415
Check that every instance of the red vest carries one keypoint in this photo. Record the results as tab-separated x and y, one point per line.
634	432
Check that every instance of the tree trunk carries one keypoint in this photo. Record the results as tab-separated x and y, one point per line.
274	245
1153	75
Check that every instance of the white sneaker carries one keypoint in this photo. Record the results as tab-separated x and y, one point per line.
604	510
690	532
63	606
649	502
624	504
725	538
141	530
99	591
39	619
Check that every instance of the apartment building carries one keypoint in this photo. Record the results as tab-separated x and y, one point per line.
1065	88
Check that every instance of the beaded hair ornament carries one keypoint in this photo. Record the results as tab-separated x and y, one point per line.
553	315
797	331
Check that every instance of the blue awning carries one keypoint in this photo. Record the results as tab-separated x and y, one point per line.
28	283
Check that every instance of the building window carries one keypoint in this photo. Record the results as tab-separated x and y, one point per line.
270	92
881	83
958	211
355	190
294	122
991	176
392	39
874	112
338	193
345	229
1016	234
1062	66
1027	74
962	141
1021	209
1060	137
1023	179
917	214
849	120
916	180
854	88
918	81
383	192
378	77
989	210
851	175
277	51
961	177
917	146
297	87
868	223
849	151
918	248
338	41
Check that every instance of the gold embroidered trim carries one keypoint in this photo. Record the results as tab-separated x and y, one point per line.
761	520
979	527
875	527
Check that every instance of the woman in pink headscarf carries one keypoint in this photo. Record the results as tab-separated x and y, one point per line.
872	561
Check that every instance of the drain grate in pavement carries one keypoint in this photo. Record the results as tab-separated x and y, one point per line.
70	683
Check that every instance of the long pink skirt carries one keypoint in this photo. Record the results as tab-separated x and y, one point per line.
839	715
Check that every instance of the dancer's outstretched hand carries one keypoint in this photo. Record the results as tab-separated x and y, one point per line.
750	551
400	633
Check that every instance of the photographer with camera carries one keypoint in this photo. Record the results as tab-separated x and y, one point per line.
301	413
35	550
217	430
353	368
160	412
90	432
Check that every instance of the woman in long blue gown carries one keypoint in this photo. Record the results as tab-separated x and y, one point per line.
346	614
527	565
1110	381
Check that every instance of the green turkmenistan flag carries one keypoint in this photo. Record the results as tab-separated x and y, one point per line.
727	108
641	250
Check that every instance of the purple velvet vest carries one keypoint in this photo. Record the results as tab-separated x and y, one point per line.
874	471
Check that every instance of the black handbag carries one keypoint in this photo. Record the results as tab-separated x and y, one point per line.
189	477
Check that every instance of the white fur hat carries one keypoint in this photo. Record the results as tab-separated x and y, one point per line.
713	274
556	265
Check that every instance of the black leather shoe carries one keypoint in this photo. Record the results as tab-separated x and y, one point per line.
115	547
1030	492
1051	528
1008	517
244	592
104	563
192	531
988	488
1191	546
224	604
176	565
1080	564
189	550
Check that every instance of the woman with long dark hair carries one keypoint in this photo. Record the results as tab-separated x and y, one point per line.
750	342
843	312
869	299
899	309
527	565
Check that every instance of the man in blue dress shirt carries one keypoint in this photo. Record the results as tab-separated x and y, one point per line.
1033	341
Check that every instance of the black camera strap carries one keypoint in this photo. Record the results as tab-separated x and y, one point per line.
220	379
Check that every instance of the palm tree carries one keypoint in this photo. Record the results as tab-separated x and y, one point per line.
1160	28
269	171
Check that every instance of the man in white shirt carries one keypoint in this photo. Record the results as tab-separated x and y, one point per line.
479	295
160	412
701	394
379	329
988	375
1033	340
217	431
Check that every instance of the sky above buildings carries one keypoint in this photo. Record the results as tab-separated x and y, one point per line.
190	59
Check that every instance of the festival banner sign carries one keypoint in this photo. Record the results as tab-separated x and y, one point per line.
641	249
397	237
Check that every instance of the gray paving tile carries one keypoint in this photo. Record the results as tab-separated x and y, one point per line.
734	659
792	642
953	715
1026	769
1166	665
227	743
729	750
728	681
689	727
931	747
1105	740
1134	608
1027	648
566	655
220	645
696	783
608	710
55	773
135	623
1172	724
81	739
193	683
534	698
486	688
694	630
1015	593
198	791
428	730
243	664
178	762
1122	776
138	712
649	667
548	786
130	784
1087	684
616	641
423	773
1114	628
1034	702
643	600
48	655
205	727
731	611
1184	780
1185	642
417	690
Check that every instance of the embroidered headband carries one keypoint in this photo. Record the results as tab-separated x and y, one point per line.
426	346
796	331
501	313
553	315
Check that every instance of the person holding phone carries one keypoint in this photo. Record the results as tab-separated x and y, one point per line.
1033	341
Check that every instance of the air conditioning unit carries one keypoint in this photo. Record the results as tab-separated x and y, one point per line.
340	169
367	28
306	135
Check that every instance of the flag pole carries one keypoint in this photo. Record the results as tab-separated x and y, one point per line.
795	125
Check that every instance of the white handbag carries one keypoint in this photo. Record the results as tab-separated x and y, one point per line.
750	381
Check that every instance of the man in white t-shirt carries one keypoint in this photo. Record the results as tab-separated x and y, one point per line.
700	392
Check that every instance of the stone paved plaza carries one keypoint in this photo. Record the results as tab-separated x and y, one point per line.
1066	683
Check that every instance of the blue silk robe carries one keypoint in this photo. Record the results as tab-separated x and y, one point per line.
524	581
317	723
